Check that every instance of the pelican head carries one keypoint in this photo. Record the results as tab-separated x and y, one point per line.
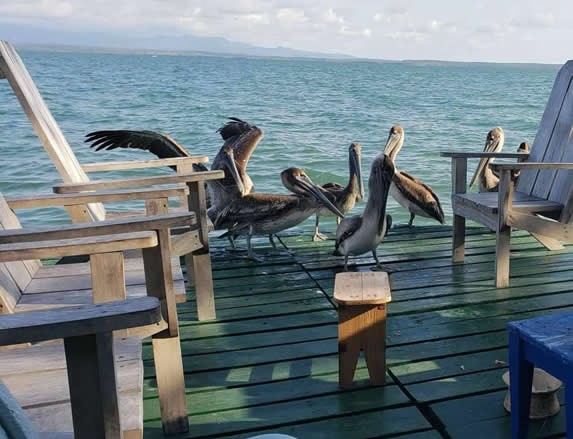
228	165
493	143
394	142
355	155
296	180
523	147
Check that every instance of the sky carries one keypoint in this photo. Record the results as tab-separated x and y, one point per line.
455	30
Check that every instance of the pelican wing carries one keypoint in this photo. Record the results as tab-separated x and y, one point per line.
347	227
420	194
252	208
160	144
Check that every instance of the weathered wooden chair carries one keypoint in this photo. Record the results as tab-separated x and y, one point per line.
36	375
542	200
87	332
75	178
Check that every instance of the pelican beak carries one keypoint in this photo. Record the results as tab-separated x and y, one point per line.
356	160
307	186
392	145
231	167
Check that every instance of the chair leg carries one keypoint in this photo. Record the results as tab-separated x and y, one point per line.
374	344
204	293
170	383
503	236
349	338
459	238
569	410
521	377
93	389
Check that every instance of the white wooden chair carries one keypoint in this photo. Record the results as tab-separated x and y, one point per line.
542	200
75	179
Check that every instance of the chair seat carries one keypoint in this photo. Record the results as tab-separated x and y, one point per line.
487	202
37	377
54	286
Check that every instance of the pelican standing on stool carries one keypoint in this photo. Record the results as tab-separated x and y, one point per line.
344	198
410	192
488	181
362	233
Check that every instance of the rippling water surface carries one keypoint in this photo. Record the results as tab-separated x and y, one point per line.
310	111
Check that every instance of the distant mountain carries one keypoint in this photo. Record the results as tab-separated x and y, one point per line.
36	36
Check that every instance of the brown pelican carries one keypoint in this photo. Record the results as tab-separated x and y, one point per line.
362	233
408	191
344	198
239	135
259	213
488	181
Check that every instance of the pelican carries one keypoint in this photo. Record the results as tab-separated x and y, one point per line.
408	191
259	213
488	181
344	198
359	234
239	135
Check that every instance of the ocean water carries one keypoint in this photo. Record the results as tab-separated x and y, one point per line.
310	111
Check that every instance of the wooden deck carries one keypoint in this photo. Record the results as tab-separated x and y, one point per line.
269	362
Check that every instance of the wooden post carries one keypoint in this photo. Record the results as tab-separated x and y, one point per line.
459	186
503	231
166	344
92	381
199	264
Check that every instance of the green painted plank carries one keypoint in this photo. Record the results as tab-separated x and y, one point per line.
258	299
192	346
472	326
449	367
225	360
318	408
315	302
454	387
274	392
484	414
217	329
399	421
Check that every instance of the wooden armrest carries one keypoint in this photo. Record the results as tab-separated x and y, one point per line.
81	230
51	200
479	155
68	188
529	165
77	246
35	326
141	164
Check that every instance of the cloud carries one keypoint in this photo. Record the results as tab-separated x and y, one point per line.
291	16
333	17
37	8
536	21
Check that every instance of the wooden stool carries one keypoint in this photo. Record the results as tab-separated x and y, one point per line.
362	299
546	342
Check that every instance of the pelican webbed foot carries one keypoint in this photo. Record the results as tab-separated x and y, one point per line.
379	266
319	236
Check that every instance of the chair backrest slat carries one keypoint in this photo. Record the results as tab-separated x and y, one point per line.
553	142
55	144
